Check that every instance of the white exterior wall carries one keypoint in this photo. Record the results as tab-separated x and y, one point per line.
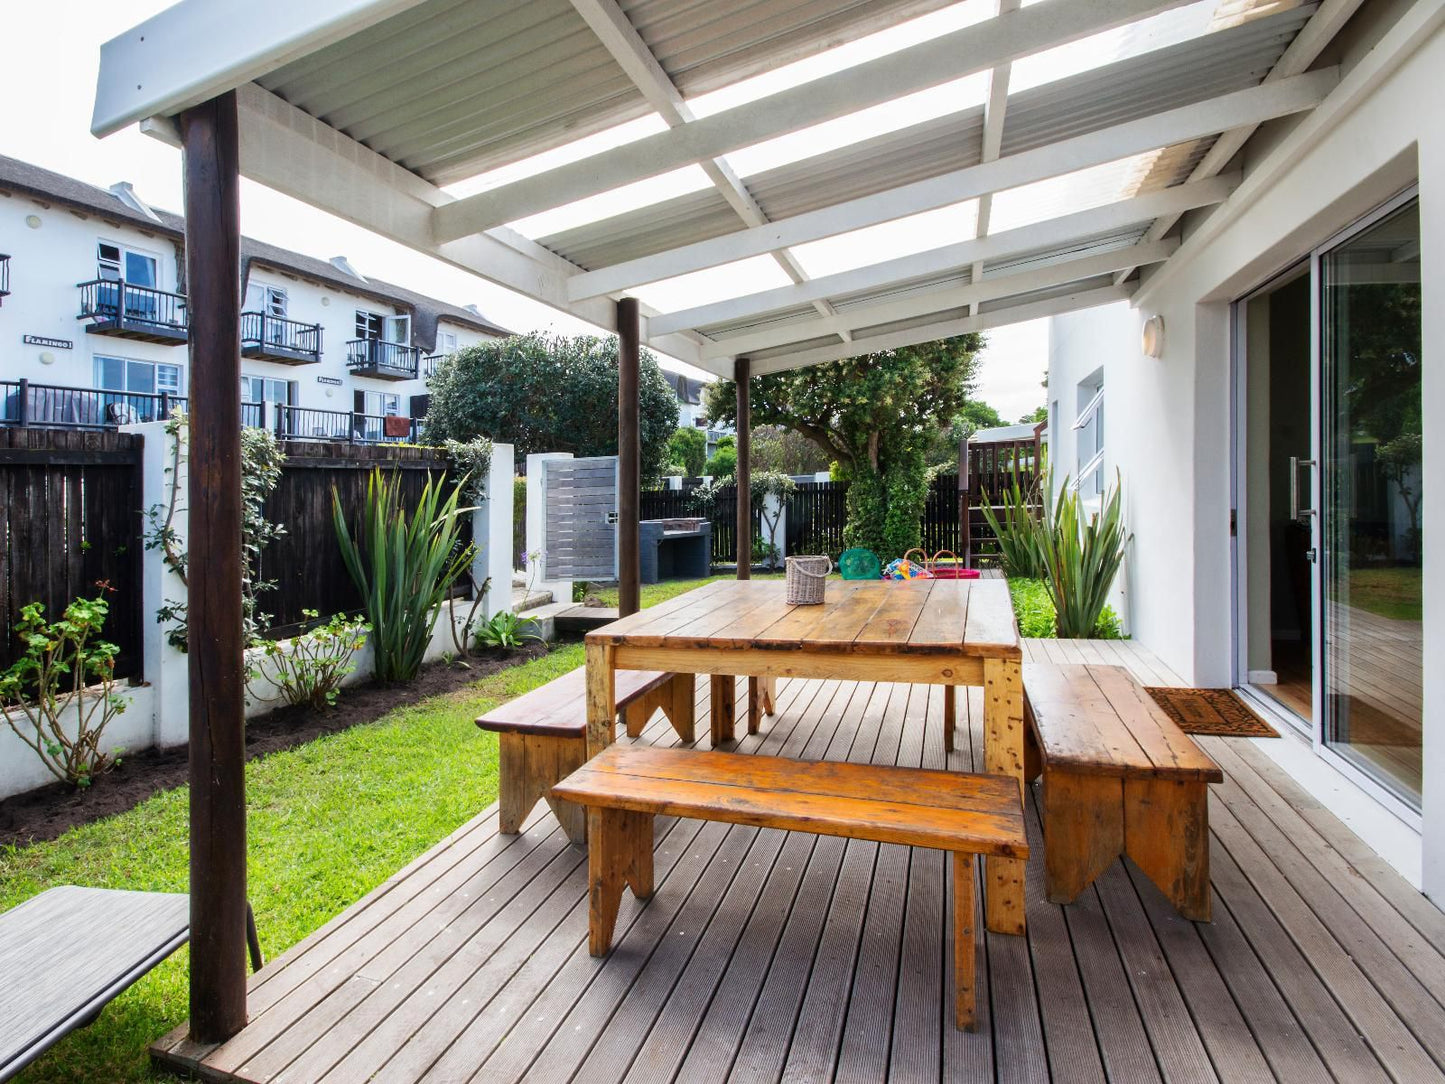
1169	421
47	263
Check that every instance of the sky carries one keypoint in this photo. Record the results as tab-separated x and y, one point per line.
50	53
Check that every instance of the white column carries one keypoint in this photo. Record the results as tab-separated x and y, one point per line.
492	532
536	529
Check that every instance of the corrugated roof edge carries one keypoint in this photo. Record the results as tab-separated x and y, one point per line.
48	186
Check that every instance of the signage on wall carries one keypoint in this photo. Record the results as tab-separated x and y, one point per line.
329	380
42	340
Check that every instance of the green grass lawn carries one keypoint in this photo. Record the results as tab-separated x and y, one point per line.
1390	592
653	593
328	821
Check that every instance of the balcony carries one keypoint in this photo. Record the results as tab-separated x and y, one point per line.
119	308
53	406
309	423
382	360
4	277
429	364
274	338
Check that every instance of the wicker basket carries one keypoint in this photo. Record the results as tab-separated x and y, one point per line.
806	578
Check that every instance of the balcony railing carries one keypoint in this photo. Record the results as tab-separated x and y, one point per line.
275	338
429	364
382	360
116	307
308	423
4	277
50	406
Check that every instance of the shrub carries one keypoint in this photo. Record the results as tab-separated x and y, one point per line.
507	632
724	460
1021	531
1034	608
687	448
1083	555
403	564
65	665
310	669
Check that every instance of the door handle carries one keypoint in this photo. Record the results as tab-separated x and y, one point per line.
1295	511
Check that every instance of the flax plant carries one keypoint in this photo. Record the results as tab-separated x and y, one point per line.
1082	555
403	562
1023	530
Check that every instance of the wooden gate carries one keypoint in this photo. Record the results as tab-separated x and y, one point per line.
579	526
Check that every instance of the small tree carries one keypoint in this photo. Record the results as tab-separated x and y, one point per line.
765	484
724	460
687	447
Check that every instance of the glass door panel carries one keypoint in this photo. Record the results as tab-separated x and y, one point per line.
1371	486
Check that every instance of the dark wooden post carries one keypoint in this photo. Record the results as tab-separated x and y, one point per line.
742	372
965	538
217	683
629	459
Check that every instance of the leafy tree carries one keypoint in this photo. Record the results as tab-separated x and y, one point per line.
688	449
779	449
875	416
723	463
546	393
1039	413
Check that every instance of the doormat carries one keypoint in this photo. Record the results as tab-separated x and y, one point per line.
1211	711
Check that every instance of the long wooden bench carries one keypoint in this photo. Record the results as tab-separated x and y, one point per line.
543	736
624	787
1120	778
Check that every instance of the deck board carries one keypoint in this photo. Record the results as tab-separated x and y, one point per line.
784	957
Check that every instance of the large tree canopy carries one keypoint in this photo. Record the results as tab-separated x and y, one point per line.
875	415
546	393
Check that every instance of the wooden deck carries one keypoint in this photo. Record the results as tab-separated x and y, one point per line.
768	956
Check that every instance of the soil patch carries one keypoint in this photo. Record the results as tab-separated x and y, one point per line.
45	813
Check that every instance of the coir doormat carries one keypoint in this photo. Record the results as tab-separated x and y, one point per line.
1211	711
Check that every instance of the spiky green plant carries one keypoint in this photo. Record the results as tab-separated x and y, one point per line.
1023	528
403	562
1082	556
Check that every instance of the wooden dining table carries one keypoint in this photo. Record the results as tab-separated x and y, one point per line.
925	632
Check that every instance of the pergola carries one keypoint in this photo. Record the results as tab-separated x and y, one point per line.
367	109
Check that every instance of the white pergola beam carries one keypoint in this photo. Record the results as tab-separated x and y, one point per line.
1052	232
1251	105
944	330
299	156
938	301
994	110
951	56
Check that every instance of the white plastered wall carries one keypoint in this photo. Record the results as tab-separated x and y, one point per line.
1168	425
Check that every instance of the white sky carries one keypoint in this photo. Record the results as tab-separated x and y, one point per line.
49	52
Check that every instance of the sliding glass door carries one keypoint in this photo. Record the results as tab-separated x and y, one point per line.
1330	494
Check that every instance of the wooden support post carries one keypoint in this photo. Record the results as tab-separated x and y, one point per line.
601	697
742	370
217	671
964	950
629	459
1003	743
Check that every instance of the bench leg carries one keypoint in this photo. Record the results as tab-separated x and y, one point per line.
1166	833
964	957
724	708
1083	831
1003	745
761	692
680	705
1033	758
528	765
950	716
619	853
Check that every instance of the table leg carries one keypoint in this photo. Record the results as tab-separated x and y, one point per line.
601	698
1003	753
724	712
950	716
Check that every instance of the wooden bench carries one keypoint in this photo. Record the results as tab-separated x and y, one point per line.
1119	778
65	953
624	787
543	736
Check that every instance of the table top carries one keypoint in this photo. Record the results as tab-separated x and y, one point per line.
933	617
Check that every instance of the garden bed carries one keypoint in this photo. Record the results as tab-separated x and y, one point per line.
47	812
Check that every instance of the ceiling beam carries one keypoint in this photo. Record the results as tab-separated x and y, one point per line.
1249	106
299	156
1050	233
895	340
938	301
994	110
621	39
951	56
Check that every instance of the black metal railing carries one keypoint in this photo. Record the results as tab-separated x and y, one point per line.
309	423
380	358
429	364
51	406
4	275
262	330
115	302
253	415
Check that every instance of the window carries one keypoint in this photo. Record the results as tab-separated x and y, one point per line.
137	377
116	262
369	325
270	300
1089	436
260	389
446	342
381	402
398	330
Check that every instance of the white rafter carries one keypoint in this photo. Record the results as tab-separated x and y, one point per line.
951	56
620	38
994	110
1060	232
937	301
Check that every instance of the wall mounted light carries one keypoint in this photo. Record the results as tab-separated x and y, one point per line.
47	358
33	221
1152	338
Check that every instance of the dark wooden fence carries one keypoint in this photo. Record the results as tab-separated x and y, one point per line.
70	518
305	562
815	517
679	503
987	470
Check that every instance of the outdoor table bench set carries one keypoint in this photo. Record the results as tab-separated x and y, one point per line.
1119	777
